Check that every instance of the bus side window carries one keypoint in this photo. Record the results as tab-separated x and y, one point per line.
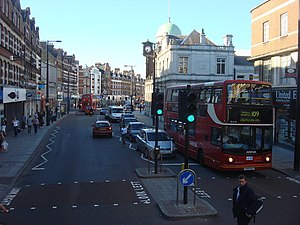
216	136
217	95
202	96
208	95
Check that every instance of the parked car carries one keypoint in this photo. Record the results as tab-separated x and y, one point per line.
146	142
125	121
103	110
133	129
102	128
114	113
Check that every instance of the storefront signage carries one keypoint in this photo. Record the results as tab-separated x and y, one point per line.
290	72
250	115
284	96
14	94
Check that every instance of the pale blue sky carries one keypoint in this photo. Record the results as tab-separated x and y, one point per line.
113	30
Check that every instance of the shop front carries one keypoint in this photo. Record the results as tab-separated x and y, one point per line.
13	100
285	110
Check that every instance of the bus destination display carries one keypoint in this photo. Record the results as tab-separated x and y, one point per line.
249	115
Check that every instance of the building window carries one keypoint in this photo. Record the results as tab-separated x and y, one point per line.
285	62
283	24
266	28
221	65
183	65
267	71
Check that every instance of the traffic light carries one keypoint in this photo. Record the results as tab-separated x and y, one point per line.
191	107
187	106
181	105
157	106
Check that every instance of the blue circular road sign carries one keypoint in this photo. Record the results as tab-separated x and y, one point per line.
187	177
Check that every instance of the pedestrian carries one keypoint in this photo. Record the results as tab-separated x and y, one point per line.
23	122
3	125
29	124
41	119
3	143
123	132
243	196
15	124
36	124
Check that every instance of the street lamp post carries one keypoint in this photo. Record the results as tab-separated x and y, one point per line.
131	85
47	82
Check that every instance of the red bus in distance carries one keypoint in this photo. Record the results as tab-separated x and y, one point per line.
87	101
233	129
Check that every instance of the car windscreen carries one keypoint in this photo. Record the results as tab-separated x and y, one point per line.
128	115
99	125
161	137
117	110
127	120
137	126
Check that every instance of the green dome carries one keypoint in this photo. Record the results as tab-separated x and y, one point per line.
169	28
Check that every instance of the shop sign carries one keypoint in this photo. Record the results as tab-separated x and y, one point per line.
284	96
290	72
14	94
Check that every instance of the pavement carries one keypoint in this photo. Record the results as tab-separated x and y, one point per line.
162	186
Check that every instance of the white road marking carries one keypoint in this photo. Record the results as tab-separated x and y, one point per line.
39	166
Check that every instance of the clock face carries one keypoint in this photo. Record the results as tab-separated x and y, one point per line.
148	49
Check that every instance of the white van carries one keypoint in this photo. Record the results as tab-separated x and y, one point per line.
115	113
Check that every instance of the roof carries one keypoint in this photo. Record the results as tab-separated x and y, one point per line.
169	28
242	61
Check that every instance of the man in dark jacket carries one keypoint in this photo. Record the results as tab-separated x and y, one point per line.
243	196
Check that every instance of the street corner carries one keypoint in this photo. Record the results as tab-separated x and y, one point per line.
172	209
150	173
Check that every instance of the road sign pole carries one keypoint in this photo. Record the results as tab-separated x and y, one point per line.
186	160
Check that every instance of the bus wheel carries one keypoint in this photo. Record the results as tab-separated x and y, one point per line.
201	157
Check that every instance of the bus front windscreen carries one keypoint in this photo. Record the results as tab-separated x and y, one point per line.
247	139
249	94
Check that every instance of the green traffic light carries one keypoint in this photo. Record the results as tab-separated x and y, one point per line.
191	118
159	112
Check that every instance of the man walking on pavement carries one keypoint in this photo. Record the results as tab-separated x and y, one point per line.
15	124
29	124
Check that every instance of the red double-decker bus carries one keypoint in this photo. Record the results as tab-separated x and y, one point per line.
87	101
233	129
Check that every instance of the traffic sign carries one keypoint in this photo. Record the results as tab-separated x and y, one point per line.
187	177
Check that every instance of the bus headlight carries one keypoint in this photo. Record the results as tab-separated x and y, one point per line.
230	159
268	159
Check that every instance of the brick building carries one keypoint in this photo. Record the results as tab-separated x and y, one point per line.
274	52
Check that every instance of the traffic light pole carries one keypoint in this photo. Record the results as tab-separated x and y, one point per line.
156	144
186	158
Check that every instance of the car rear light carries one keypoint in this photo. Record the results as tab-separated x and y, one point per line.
230	159
268	159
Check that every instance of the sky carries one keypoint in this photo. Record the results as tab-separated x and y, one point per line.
112	31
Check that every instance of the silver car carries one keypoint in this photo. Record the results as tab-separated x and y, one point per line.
133	130
146	142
